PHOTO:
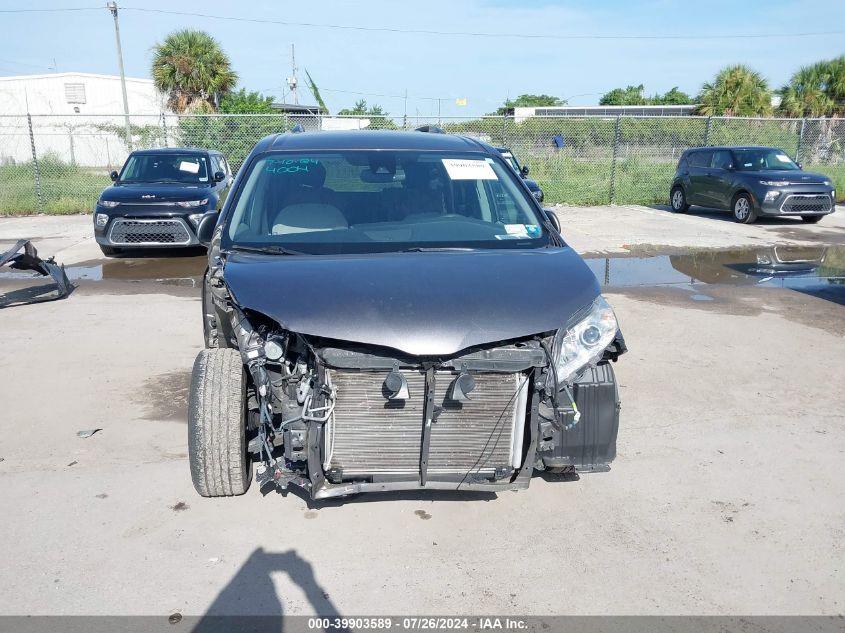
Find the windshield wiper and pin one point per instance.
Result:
(267, 250)
(434, 249)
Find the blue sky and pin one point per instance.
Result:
(484, 70)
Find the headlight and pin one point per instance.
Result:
(195, 218)
(585, 342)
(771, 195)
(774, 183)
(191, 204)
(109, 204)
(826, 183)
(101, 219)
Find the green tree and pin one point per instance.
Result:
(672, 97)
(815, 90)
(243, 102)
(362, 109)
(632, 95)
(379, 119)
(529, 101)
(736, 91)
(192, 70)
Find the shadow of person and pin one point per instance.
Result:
(250, 602)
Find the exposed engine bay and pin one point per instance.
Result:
(337, 418)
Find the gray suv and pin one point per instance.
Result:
(750, 182)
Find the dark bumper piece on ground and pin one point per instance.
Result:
(24, 256)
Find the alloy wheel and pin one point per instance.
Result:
(741, 208)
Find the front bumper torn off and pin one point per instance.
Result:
(24, 256)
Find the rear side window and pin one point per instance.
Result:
(722, 159)
(700, 159)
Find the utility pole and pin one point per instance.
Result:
(292, 82)
(112, 6)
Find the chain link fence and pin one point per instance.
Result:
(60, 163)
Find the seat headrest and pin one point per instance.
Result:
(308, 217)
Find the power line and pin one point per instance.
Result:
(50, 10)
(531, 36)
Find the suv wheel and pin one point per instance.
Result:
(220, 466)
(811, 219)
(678, 200)
(743, 209)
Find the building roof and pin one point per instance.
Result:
(372, 139)
(69, 75)
(295, 108)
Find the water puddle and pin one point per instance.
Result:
(815, 270)
(178, 271)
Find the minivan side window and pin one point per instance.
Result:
(700, 159)
(722, 159)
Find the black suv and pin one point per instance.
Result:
(750, 182)
(158, 198)
(522, 170)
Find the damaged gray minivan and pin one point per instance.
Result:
(395, 311)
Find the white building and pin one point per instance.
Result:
(77, 93)
(76, 117)
(522, 113)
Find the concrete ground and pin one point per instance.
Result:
(726, 496)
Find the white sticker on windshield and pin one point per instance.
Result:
(188, 166)
(783, 158)
(467, 169)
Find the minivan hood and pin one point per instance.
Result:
(789, 174)
(422, 304)
(154, 192)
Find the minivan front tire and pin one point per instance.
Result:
(743, 209)
(220, 466)
(678, 200)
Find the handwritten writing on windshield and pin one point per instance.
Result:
(284, 166)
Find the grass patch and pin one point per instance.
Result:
(65, 188)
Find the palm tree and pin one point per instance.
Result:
(815, 90)
(736, 91)
(192, 70)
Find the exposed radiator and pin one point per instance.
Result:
(370, 435)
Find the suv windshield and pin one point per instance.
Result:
(763, 159)
(187, 168)
(369, 201)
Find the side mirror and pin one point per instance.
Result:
(552, 219)
(113, 175)
(205, 229)
(219, 176)
(524, 170)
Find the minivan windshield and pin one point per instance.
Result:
(165, 167)
(763, 159)
(380, 200)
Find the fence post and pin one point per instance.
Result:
(164, 129)
(707, 131)
(800, 140)
(613, 162)
(37, 172)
